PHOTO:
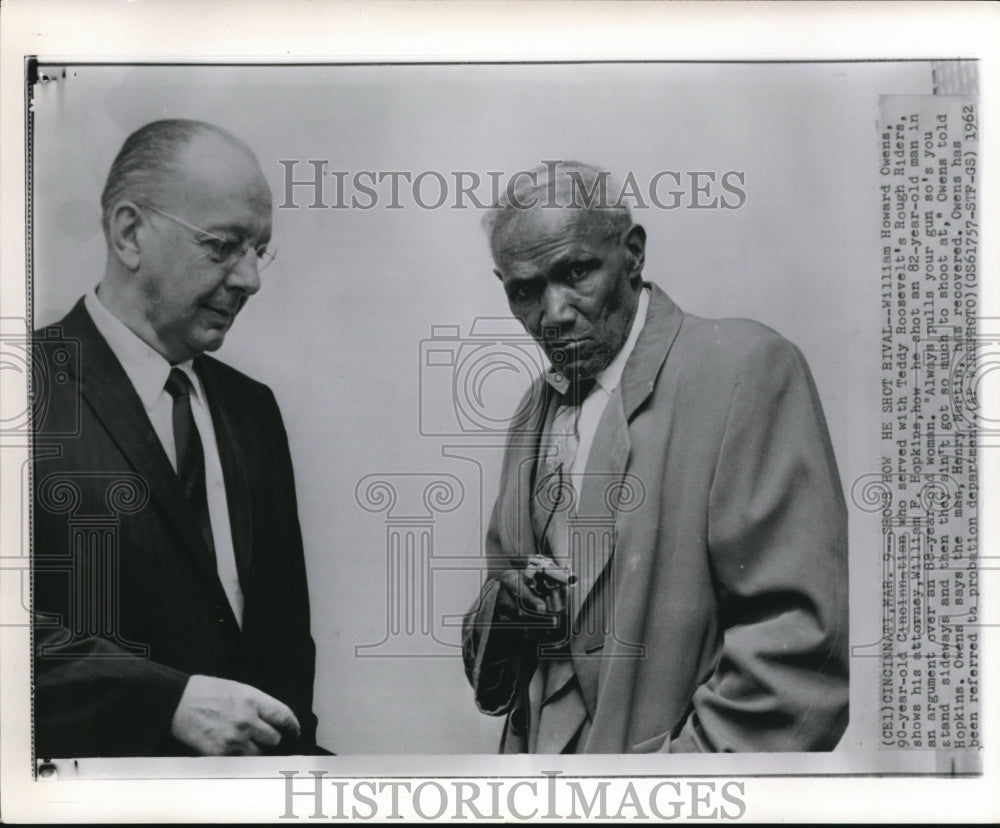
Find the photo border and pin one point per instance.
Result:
(230, 798)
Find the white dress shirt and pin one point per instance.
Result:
(147, 370)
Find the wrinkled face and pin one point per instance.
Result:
(574, 288)
(189, 298)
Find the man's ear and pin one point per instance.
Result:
(123, 233)
(635, 244)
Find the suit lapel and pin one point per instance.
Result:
(234, 470)
(108, 392)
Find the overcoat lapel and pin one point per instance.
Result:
(604, 482)
(592, 526)
(108, 392)
(663, 323)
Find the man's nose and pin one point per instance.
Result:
(245, 274)
(557, 311)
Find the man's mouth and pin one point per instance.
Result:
(225, 314)
(563, 351)
(566, 344)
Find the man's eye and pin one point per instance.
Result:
(576, 272)
(524, 293)
(219, 250)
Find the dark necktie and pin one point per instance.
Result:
(190, 455)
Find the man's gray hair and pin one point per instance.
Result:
(148, 160)
(570, 185)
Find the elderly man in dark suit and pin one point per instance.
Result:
(170, 598)
(667, 562)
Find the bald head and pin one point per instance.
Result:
(152, 157)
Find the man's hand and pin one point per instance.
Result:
(520, 601)
(218, 717)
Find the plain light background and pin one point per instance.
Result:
(337, 328)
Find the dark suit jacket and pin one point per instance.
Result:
(127, 600)
(714, 618)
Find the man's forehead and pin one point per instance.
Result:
(540, 227)
(212, 167)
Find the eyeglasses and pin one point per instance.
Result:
(223, 251)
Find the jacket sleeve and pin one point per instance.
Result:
(496, 651)
(493, 655)
(777, 541)
(98, 700)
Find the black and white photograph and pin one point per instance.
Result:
(567, 435)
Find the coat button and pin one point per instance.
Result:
(518, 721)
